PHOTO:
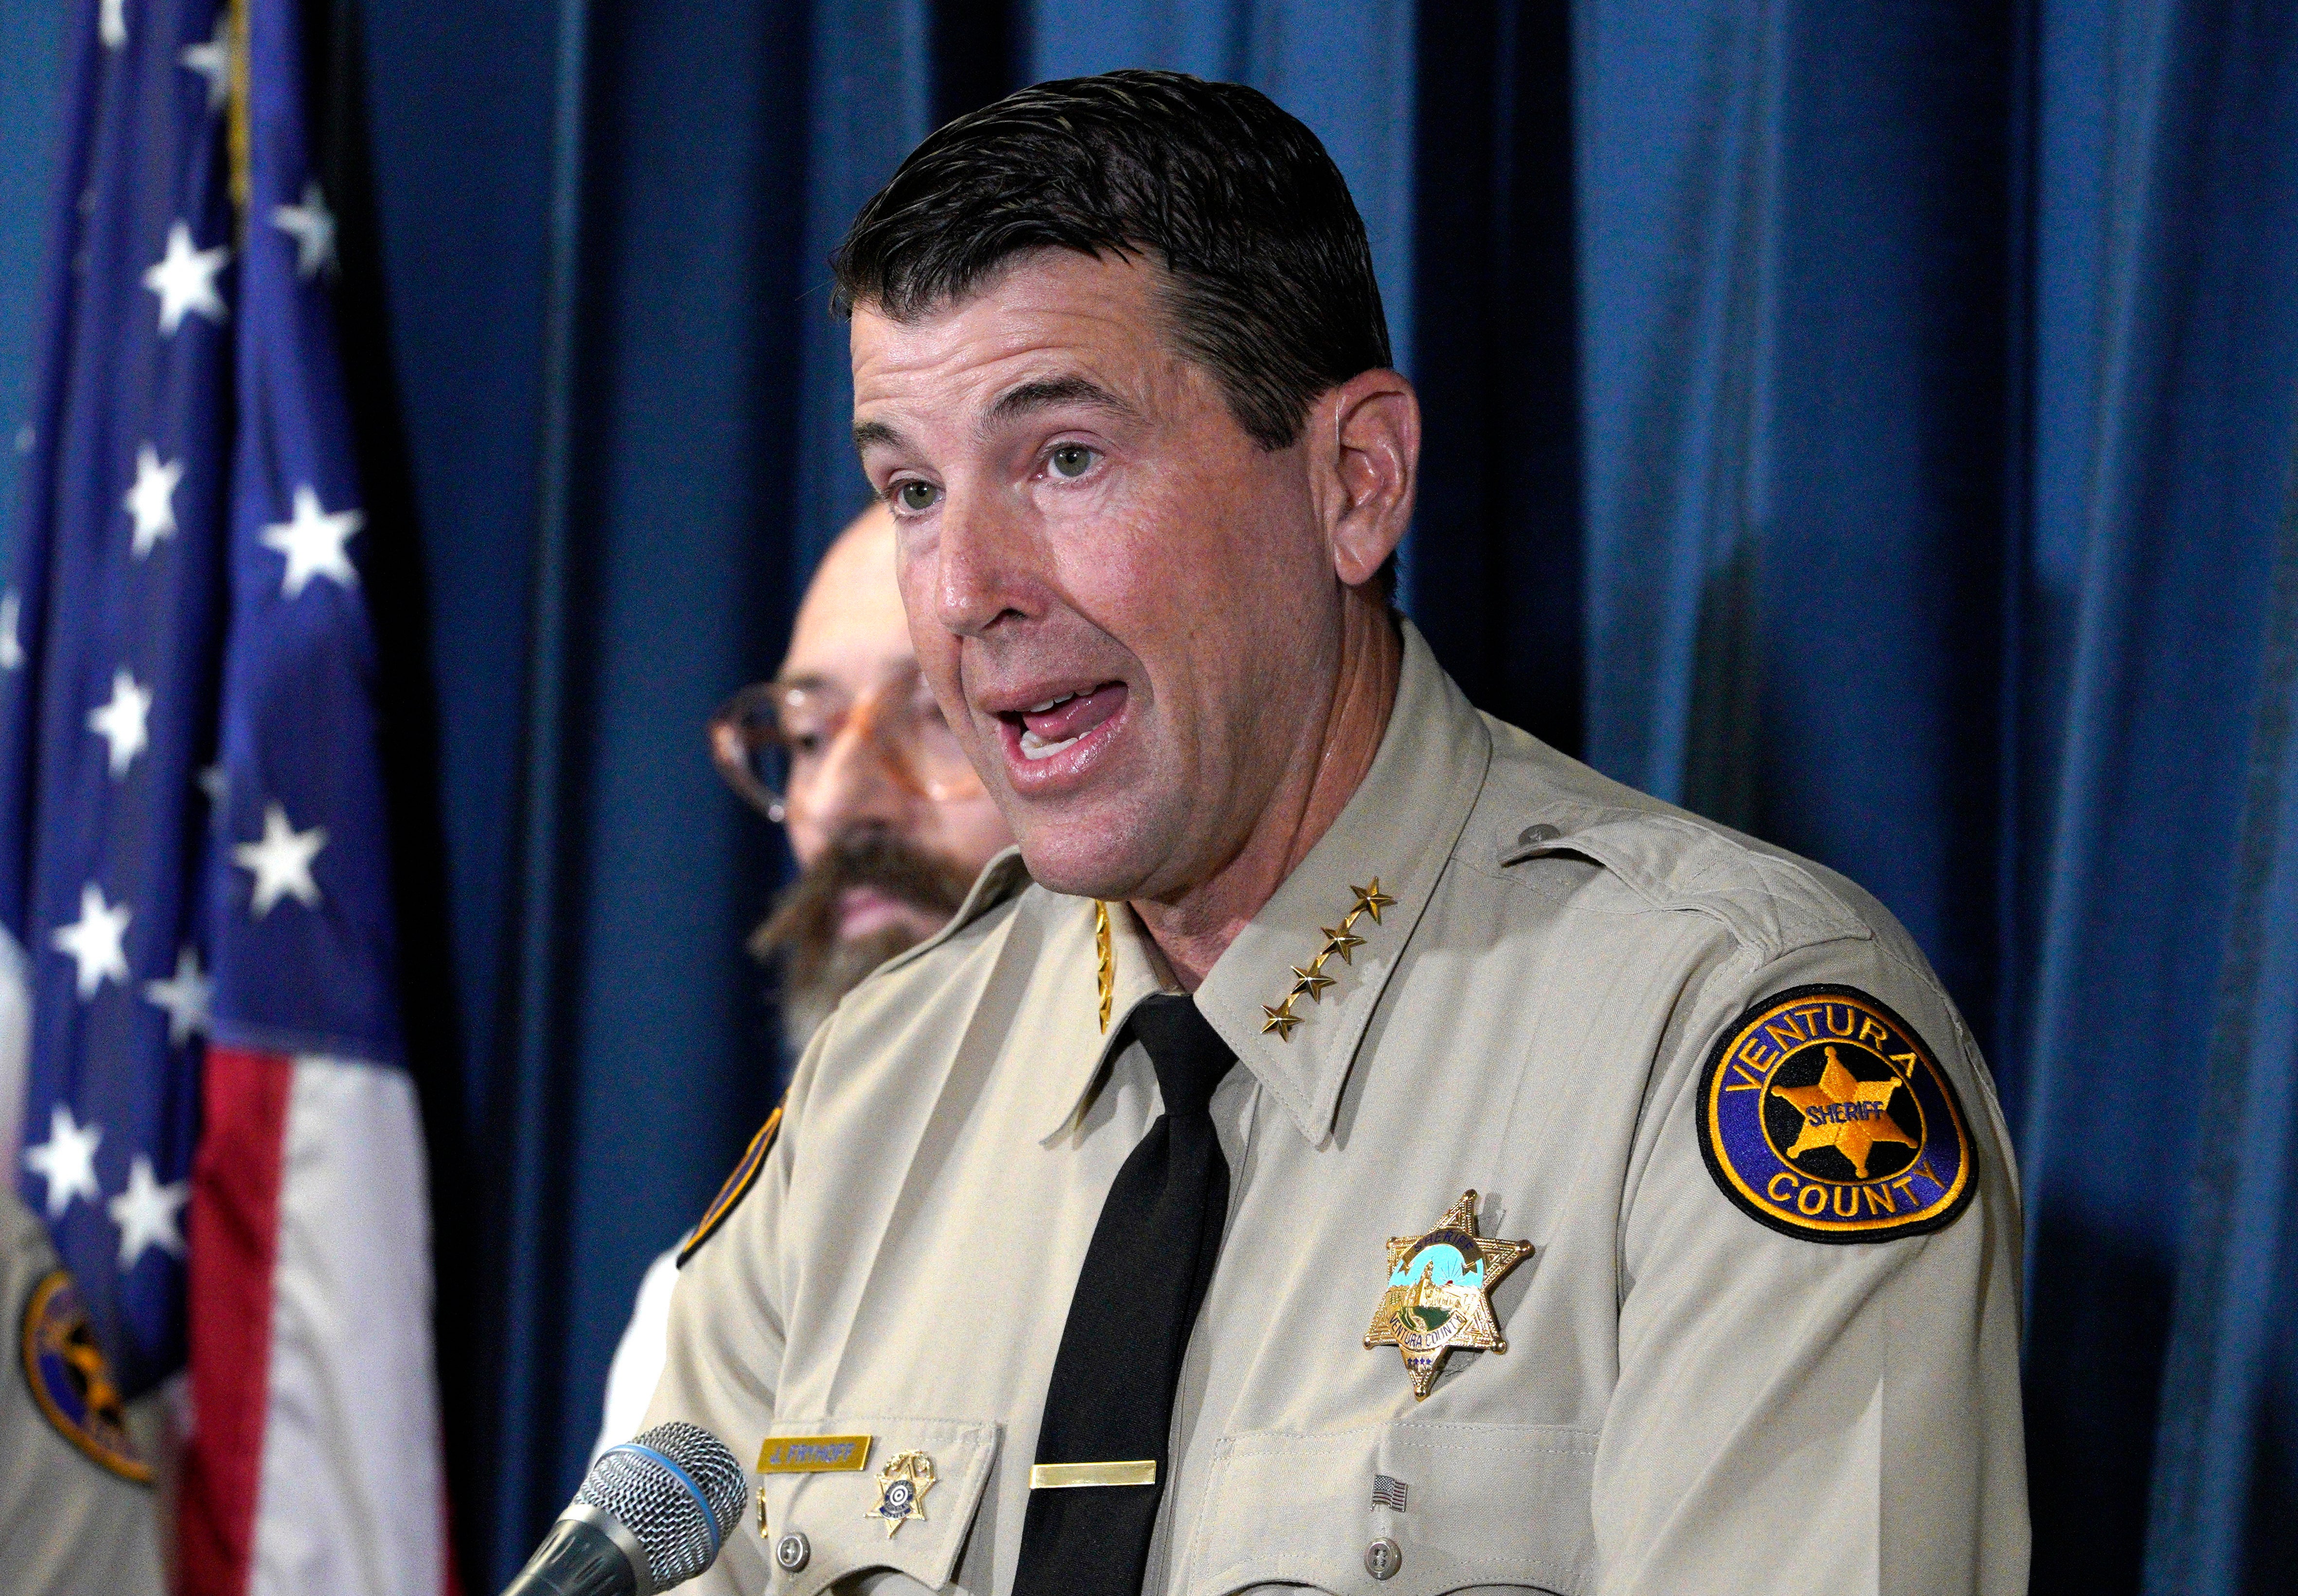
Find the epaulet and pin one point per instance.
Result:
(1003, 878)
(1765, 899)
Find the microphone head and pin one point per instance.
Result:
(677, 1490)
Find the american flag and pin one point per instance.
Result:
(217, 1122)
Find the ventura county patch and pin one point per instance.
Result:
(1824, 1116)
(737, 1187)
(69, 1380)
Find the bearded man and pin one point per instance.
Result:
(847, 750)
(1604, 1201)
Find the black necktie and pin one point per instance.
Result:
(1111, 1398)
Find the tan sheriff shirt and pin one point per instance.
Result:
(1767, 1337)
(76, 1517)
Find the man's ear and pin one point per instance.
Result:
(1364, 459)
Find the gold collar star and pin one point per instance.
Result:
(1105, 956)
(1439, 1296)
(1309, 980)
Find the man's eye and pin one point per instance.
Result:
(1072, 460)
(916, 496)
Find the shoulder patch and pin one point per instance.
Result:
(70, 1385)
(1823, 1115)
(738, 1185)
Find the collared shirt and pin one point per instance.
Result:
(1690, 1397)
(76, 1517)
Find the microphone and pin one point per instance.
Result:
(652, 1513)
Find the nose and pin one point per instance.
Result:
(854, 786)
(981, 557)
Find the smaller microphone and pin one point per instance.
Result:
(652, 1513)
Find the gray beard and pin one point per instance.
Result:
(801, 938)
(806, 1003)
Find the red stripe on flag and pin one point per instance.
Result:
(233, 1242)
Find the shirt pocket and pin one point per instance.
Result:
(836, 1511)
(1486, 1506)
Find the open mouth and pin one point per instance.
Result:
(1060, 724)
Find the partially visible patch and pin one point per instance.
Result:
(70, 1383)
(737, 1187)
(1823, 1115)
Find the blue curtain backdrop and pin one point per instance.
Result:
(1871, 423)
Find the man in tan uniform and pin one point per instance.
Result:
(1348, 1144)
(76, 1498)
(887, 821)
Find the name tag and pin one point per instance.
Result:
(1069, 1476)
(813, 1454)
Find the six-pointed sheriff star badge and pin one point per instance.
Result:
(1845, 1112)
(1439, 1294)
(1439, 1297)
(902, 1486)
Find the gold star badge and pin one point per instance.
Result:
(1439, 1296)
(902, 1486)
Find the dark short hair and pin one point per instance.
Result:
(1272, 287)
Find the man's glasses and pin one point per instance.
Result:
(772, 741)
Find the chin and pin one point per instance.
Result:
(1092, 855)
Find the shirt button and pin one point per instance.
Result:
(792, 1552)
(1383, 1559)
(1540, 834)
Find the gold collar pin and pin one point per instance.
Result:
(1309, 980)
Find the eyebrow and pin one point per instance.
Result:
(866, 433)
(1042, 393)
(1038, 394)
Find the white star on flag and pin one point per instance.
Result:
(152, 502)
(145, 1212)
(212, 62)
(280, 860)
(185, 996)
(124, 722)
(313, 542)
(12, 649)
(312, 225)
(184, 280)
(66, 1161)
(111, 24)
(95, 940)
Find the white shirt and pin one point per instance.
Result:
(638, 1357)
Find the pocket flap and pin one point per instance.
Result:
(1484, 1505)
(856, 1520)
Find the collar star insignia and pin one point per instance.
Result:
(1105, 960)
(1439, 1296)
(1310, 980)
(902, 1486)
(1371, 900)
